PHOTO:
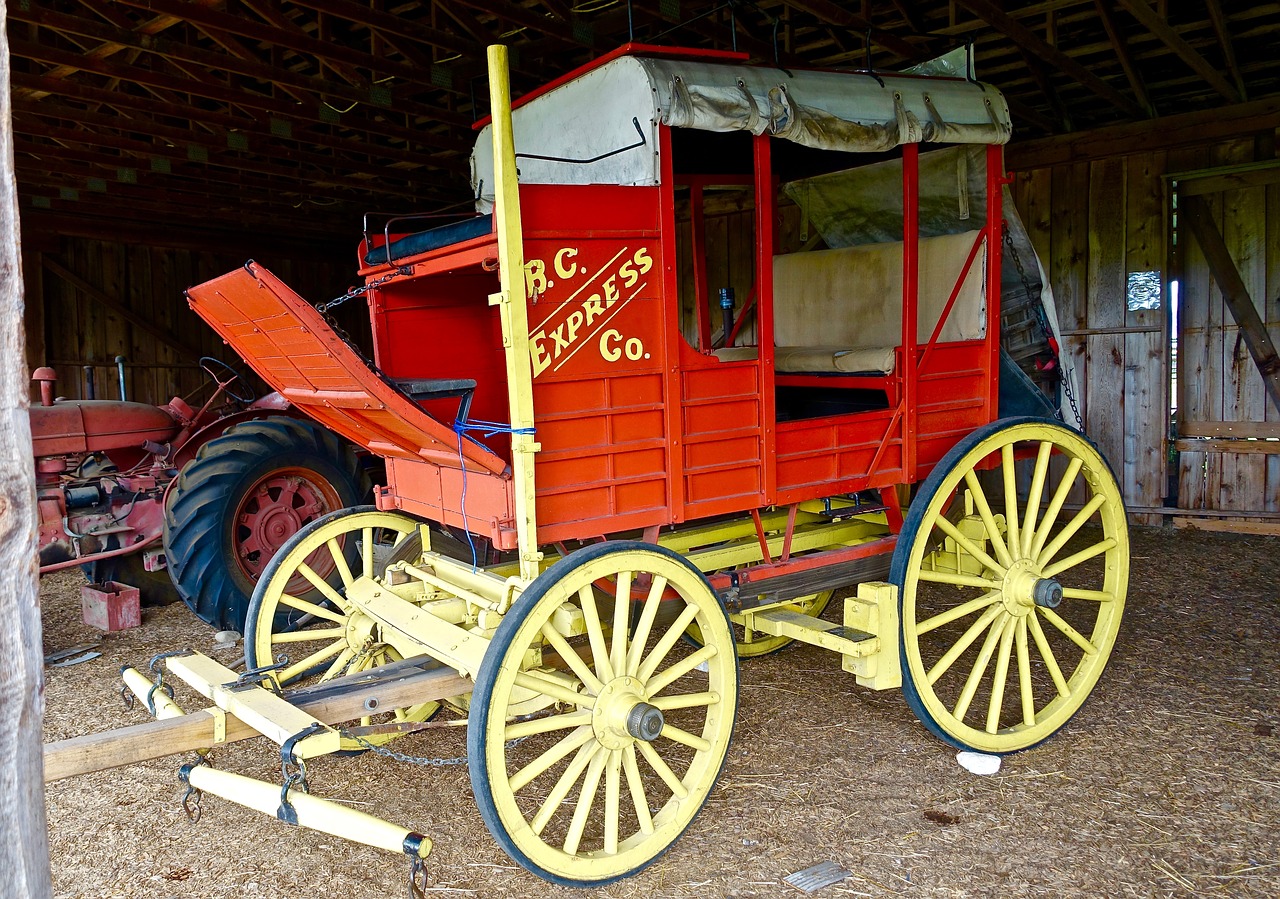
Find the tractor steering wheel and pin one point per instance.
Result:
(212, 366)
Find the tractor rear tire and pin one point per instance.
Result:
(241, 498)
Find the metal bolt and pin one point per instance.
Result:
(1047, 592)
(645, 722)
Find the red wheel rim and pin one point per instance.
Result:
(275, 508)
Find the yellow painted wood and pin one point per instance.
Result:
(784, 622)
(272, 716)
(512, 303)
(875, 611)
(156, 739)
(313, 812)
(140, 686)
(413, 630)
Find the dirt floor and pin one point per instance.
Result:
(1166, 784)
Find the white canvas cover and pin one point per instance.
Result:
(620, 104)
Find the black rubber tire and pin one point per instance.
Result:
(154, 587)
(199, 524)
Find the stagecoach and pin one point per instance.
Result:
(720, 344)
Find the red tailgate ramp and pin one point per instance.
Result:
(290, 345)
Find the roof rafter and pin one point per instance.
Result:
(1159, 26)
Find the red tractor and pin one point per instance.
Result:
(181, 502)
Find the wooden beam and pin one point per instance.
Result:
(1236, 429)
(1235, 293)
(1269, 528)
(1121, 48)
(1158, 26)
(1217, 445)
(24, 850)
(1168, 133)
(170, 736)
(836, 14)
(1212, 181)
(1223, 31)
(114, 305)
(1027, 39)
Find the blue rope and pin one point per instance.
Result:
(488, 429)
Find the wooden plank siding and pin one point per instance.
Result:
(68, 328)
(1094, 223)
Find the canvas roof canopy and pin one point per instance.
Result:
(601, 127)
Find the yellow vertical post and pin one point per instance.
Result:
(511, 301)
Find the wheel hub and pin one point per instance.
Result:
(621, 715)
(1019, 587)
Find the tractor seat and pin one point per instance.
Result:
(431, 239)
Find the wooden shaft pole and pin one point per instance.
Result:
(24, 850)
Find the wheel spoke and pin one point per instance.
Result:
(595, 632)
(685, 701)
(1046, 653)
(542, 764)
(1002, 673)
(518, 729)
(636, 787)
(659, 653)
(1091, 595)
(1010, 474)
(1083, 556)
(339, 664)
(340, 562)
(988, 518)
(621, 623)
(553, 688)
(663, 770)
(328, 633)
(612, 803)
(320, 655)
(684, 738)
(319, 583)
(957, 580)
(1024, 675)
(560, 792)
(667, 676)
(586, 799)
(366, 552)
(979, 669)
(958, 612)
(1077, 522)
(1035, 494)
(975, 630)
(1072, 634)
(1055, 506)
(973, 549)
(312, 609)
(572, 659)
(645, 624)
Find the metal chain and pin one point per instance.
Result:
(413, 759)
(363, 289)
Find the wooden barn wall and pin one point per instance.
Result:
(1093, 224)
(1223, 405)
(88, 301)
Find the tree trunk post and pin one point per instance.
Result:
(24, 843)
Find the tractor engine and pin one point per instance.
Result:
(102, 467)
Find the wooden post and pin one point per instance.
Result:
(24, 850)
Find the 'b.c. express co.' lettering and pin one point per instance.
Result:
(545, 347)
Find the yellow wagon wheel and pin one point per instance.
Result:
(753, 644)
(1012, 584)
(635, 726)
(322, 637)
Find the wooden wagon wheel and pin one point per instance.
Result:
(1010, 607)
(636, 723)
(326, 639)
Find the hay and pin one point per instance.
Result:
(1166, 784)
